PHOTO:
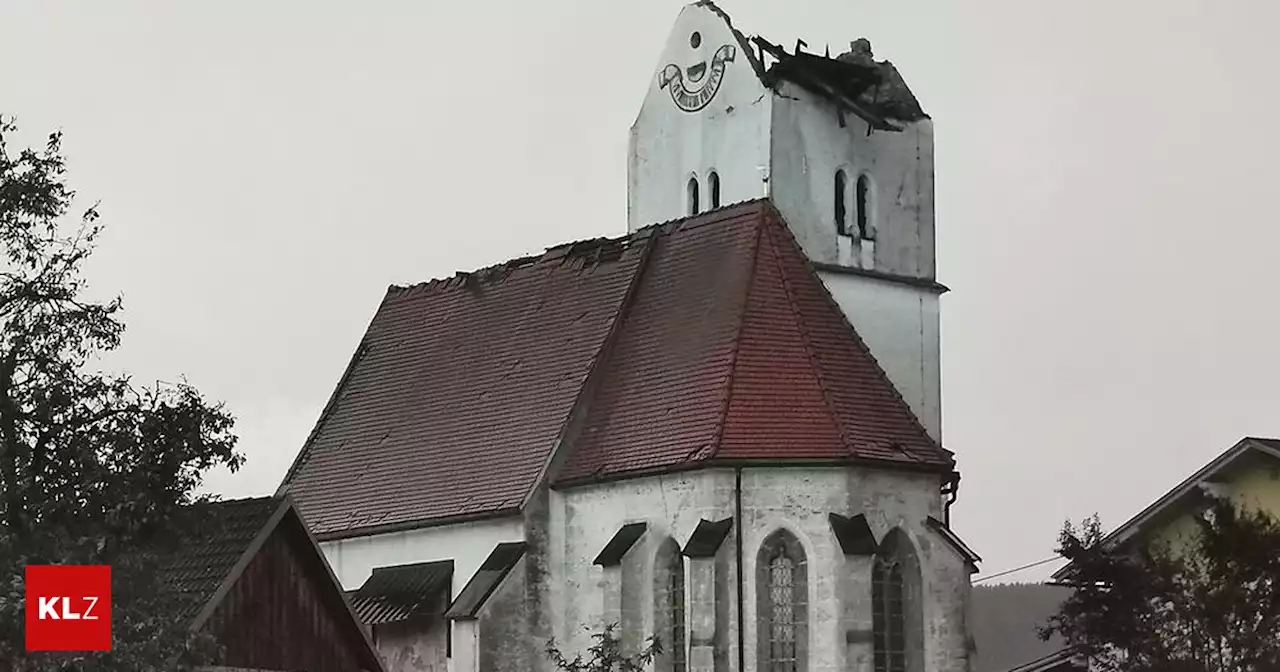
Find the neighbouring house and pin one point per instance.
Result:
(255, 579)
(1248, 474)
(722, 428)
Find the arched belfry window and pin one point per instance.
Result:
(840, 192)
(865, 207)
(897, 619)
(694, 206)
(669, 607)
(713, 185)
(782, 592)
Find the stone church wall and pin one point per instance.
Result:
(796, 499)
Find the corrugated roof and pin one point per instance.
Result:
(402, 592)
(705, 340)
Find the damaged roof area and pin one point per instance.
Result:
(703, 341)
(854, 82)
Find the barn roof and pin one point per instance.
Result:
(709, 340)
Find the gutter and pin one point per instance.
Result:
(737, 545)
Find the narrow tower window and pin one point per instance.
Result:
(866, 228)
(842, 224)
(693, 195)
(713, 183)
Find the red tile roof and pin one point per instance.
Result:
(701, 341)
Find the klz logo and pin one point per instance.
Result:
(68, 608)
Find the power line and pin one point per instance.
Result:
(1017, 569)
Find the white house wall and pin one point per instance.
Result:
(466, 544)
(899, 322)
(730, 135)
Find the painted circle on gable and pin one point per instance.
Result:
(705, 76)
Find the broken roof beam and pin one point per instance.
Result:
(841, 100)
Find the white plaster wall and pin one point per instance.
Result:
(730, 135)
(808, 146)
(467, 544)
(799, 500)
(670, 505)
(900, 324)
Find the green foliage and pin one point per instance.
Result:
(93, 468)
(1210, 605)
(606, 654)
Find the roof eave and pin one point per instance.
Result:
(1134, 525)
(743, 463)
(409, 525)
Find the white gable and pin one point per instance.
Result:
(705, 111)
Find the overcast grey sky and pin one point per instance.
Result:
(266, 169)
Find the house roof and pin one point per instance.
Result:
(401, 592)
(1189, 490)
(204, 559)
(714, 328)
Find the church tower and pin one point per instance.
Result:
(841, 148)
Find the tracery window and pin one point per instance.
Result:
(897, 625)
(782, 598)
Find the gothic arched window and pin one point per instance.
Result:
(866, 222)
(897, 621)
(693, 195)
(782, 591)
(669, 607)
(713, 185)
(841, 203)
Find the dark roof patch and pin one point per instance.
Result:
(854, 534)
(622, 541)
(205, 556)
(486, 580)
(401, 592)
(706, 538)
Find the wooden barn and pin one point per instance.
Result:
(258, 582)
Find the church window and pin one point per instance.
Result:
(713, 185)
(693, 195)
(669, 607)
(866, 225)
(841, 201)
(897, 625)
(782, 599)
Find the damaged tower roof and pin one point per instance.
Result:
(853, 81)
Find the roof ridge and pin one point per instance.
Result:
(853, 331)
(731, 378)
(814, 368)
(586, 391)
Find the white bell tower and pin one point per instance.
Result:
(841, 148)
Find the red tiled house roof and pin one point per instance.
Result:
(704, 341)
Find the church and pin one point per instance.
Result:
(722, 429)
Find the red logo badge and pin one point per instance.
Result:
(68, 607)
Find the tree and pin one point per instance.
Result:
(606, 654)
(1208, 604)
(94, 469)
